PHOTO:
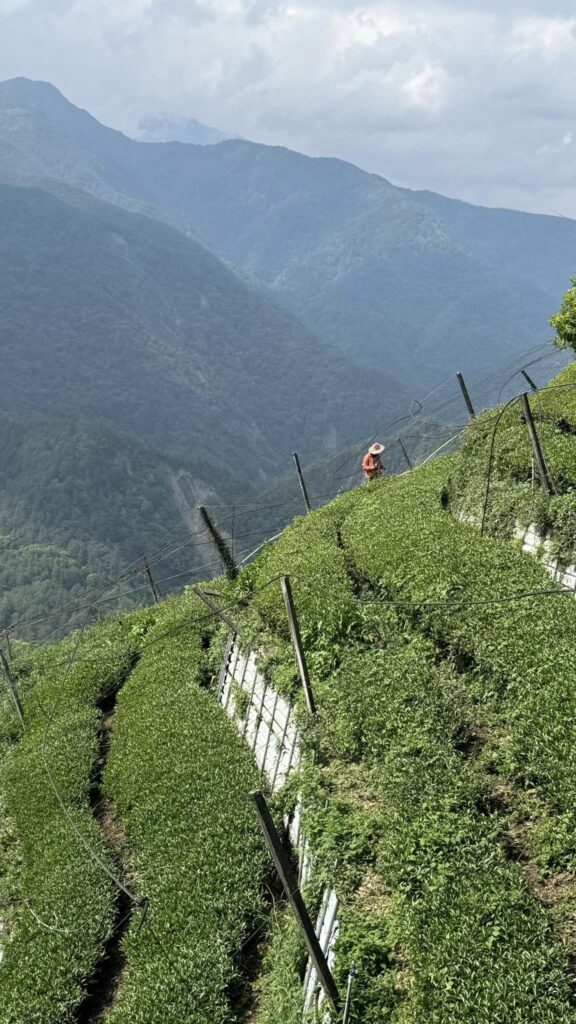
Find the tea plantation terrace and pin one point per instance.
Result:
(438, 779)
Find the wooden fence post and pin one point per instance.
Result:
(294, 895)
(217, 611)
(11, 686)
(464, 390)
(302, 483)
(543, 472)
(155, 592)
(528, 378)
(8, 647)
(297, 644)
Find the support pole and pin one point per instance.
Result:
(217, 611)
(297, 644)
(529, 380)
(405, 453)
(302, 482)
(464, 390)
(294, 895)
(11, 686)
(543, 472)
(348, 1006)
(155, 592)
(8, 646)
(230, 567)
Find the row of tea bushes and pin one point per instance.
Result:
(442, 926)
(522, 653)
(60, 905)
(180, 778)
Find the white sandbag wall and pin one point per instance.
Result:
(266, 721)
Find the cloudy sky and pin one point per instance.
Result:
(473, 99)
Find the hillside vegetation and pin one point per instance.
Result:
(439, 782)
(132, 358)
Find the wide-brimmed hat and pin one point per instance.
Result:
(376, 449)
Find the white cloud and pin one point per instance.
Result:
(470, 98)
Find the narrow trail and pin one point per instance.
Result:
(103, 987)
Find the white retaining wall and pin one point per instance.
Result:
(534, 544)
(266, 721)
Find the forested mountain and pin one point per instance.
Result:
(413, 281)
(116, 316)
(133, 359)
(78, 501)
(176, 313)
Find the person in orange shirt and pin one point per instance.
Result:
(372, 462)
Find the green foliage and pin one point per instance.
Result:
(564, 322)
(179, 775)
(515, 494)
(280, 995)
(399, 806)
(62, 905)
(177, 779)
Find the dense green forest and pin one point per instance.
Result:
(79, 503)
(131, 355)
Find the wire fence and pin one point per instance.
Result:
(431, 425)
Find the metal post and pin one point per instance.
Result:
(464, 390)
(220, 544)
(543, 473)
(302, 482)
(405, 453)
(217, 611)
(528, 378)
(348, 1005)
(155, 592)
(297, 644)
(11, 686)
(290, 885)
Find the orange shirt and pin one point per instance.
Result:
(372, 465)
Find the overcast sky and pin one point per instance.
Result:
(476, 100)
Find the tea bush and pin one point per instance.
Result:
(60, 904)
(180, 776)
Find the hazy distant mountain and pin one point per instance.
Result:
(139, 377)
(168, 128)
(113, 315)
(413, 282)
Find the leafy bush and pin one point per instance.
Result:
(179, 775)
(62, 903)
(399, 811)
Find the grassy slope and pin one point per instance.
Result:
(62, 904)
(513, 496)
(179, 775)
(440, 799)
(447, 742)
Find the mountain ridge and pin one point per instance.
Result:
(412, 280)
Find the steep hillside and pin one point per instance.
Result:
(79, 501)
(495, 480)
(411, 281)
(117, 335)
(438, 785)
(116, 316)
